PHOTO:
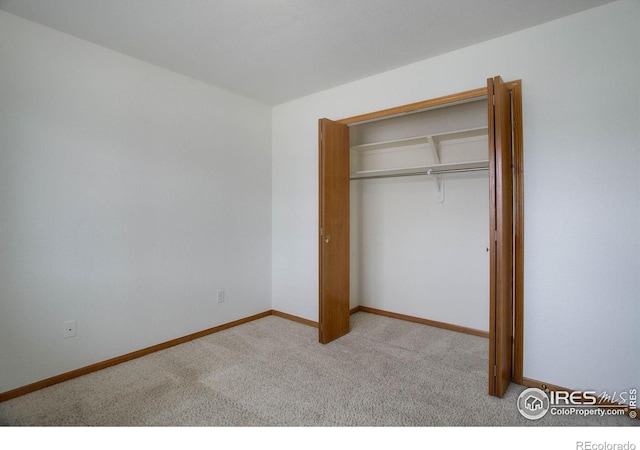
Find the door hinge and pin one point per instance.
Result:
(321, 232)
(322, 135)
(495, 235)
(493, 99)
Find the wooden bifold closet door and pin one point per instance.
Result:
(334, 213)
(501, 246)
(334, 230)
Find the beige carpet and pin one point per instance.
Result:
(273, 372)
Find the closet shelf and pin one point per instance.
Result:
(420, 140)
(434, 169)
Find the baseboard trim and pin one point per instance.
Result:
(431, 323)
(8, 395)
(308, 322)
(530, 382)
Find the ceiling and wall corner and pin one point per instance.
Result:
(276, 51)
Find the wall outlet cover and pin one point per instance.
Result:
(70, 329)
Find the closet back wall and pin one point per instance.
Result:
(412, 252)
(413, 255)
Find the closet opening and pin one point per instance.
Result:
(407, 228)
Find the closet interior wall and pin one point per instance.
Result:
(419, 243)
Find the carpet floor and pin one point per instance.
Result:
(272, 372)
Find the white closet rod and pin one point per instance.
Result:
(426, 172)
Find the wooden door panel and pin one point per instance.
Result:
(501, 229)
(334, 230)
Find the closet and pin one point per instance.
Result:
(419, 208)
(453, 164)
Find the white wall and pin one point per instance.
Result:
(128, 196)
(581, 85)
(413, 255)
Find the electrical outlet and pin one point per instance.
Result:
(221, 296)
(70, 329)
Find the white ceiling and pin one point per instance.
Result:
(278, 50)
